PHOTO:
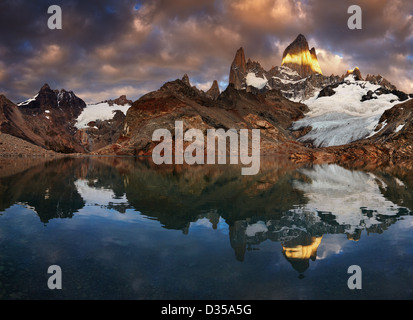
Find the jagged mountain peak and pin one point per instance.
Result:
(295, 81)
(300, 58)
(240, 54)
(381, 81)
(4, 99)
(215, 84)
(49, 99)
(238, 69)
(300, 43)
(214, 91)
(185, 79)
(45, 87)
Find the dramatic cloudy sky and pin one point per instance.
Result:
(112, 47)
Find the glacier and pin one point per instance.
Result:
(343, 118)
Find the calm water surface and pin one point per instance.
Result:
(123, 228)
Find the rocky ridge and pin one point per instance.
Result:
(176, 100)
(288, 78)
(46, 120)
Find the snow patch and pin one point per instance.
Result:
(383, 125)
(399, 128)
(254, 81)
(25, 103)
(101, 111)
(255, 228)
(97, 196)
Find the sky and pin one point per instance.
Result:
(107, 48)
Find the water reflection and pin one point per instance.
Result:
(48, 188)
(285, 203)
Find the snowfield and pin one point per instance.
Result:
(342, 118)
(101, 111)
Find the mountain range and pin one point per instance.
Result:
(302, 113)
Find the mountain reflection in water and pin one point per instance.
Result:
(295, 206)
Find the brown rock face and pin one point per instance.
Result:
(298, 57)
(13, 122)
(395, 131)
(121, 101)
(379, 80)
(213, 92)
(238, 69)
(185, 79)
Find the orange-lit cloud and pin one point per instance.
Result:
(107, 44)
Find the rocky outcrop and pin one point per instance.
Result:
(185, 79)
(121, 101)
(213, 92)
(380, 81)
(238, 70)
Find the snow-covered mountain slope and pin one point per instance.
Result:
(100, 111)
(288, 81)
(348, 113)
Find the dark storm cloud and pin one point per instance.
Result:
(382, 46)
(33, 54)
(109, 47)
